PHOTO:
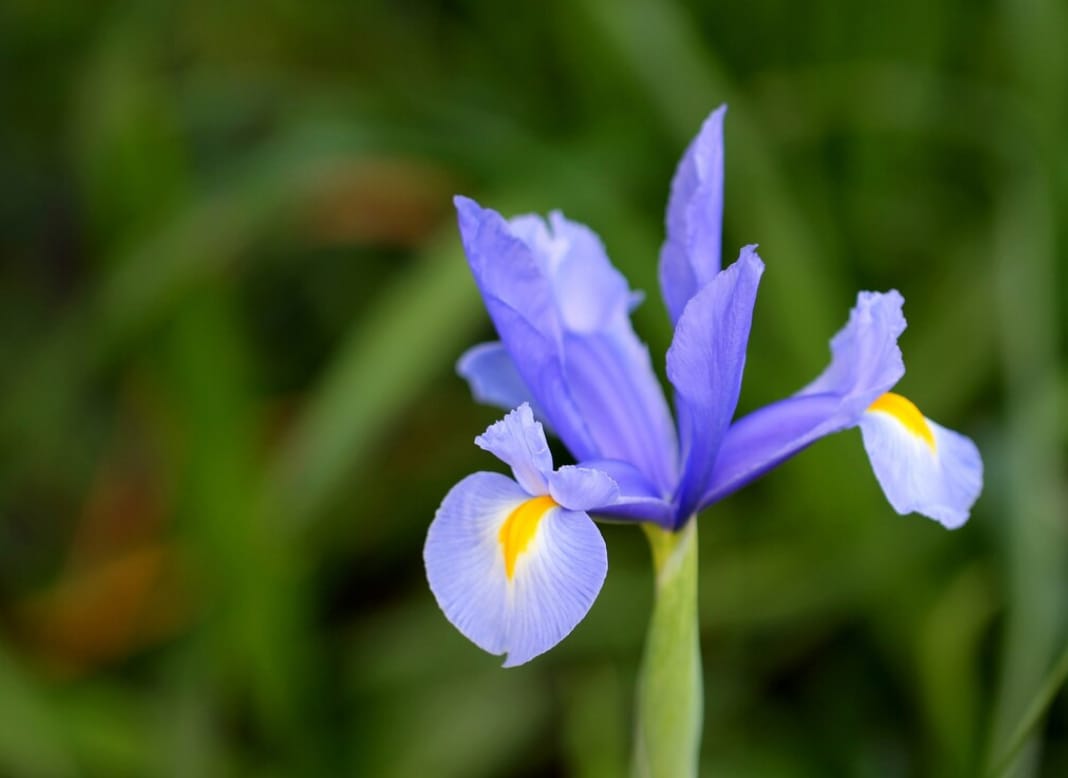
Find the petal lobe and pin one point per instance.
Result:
(940, 476)
(513, 574)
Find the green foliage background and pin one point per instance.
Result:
(232, 294)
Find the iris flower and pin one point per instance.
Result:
(516, 563)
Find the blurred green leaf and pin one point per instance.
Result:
(32, 741)
(413, 330)
(1036, 557)
(949, 649)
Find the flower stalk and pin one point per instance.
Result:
(670, 702)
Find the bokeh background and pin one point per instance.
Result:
(232, 295)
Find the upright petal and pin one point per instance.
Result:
(690, 256)
(705, 364)
(865, 358)
(922, 466)
(519, 441)
(612, 381)
(513, 573)
(591, 295)
(608, 368)
(519, 298)
(866, 362)
(562, 312)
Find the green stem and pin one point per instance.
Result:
(668, 738)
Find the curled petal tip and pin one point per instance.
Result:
(690, 255)
(471, 216)
(462, 202)
(749, 256)
(866, 360)
(519, 441)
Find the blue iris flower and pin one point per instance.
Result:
(516, 564)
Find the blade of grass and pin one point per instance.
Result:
(1035, 544)
(1031, 718)
(256, 620)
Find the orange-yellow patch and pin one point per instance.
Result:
(906, 412)
(519, 529)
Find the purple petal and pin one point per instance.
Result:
(492, 376)
(519, 299)
(922, 466)
(562, 312)
(690, 256)
(464, 565)
(574, 259)
(628, 508)
(519, 441)
(556, 584)
(705, 364)
(637, 498)
(612, 380)
(582, 488)
(527, 608)
(765, 438)
(866, 362)
(865, 358)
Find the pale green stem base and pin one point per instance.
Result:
(670, 700)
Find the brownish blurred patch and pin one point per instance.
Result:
(384, 201)
(122, 586)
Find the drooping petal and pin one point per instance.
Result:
(519, 441)
(463, 558)
(922, 466)
(513, 573)
(866, 362)
(493, 377)
(690, 256)
(562, 312)
(555, 583)
(705, 364)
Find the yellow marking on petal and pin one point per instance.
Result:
(519, 529)
(906, 412)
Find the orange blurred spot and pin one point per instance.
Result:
(393, 201)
